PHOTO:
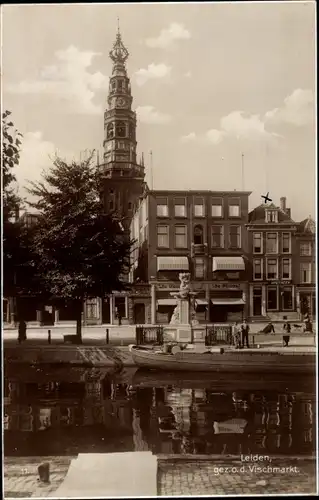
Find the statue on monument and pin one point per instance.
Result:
(184, 288)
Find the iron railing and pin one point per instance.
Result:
(149, 335)
(217, 335)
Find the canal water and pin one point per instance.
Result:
(54, 411)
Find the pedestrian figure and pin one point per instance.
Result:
(22, 331)
(119, 317)
(245, 334)
(287, 330)
(236, 335)
(268, 328)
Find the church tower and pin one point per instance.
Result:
(123, 175)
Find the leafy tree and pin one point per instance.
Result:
(81, 252)
(10, 158)
(15, 237)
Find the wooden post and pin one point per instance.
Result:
(107, 336)
(49, 336)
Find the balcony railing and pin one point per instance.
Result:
(199, 248)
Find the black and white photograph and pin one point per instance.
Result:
(159, 212)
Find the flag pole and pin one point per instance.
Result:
(151, 170)
(242, 172)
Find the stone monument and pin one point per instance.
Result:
(184, 316)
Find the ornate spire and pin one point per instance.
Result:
(119, 52)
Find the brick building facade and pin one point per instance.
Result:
(281, 255)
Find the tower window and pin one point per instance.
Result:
(121, 129)
(110, 130)
(120, 84)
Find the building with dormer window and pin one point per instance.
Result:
(281, 257)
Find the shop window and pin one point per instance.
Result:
(234, 207)
(257, 243)
(180, 236)
(286, 269)
(199, 207)
(258, 269)
(92, 309)
(180, 207)
(199, 268)
(287, 298)
(286, 242)
(272, 299)
(162, 236)
(234, 237)
(272, 273)
(217, 207)
(305, 272)
(271, 243)
(162, 207)
(198, 235)
(305, 248)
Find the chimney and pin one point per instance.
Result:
(283, 203)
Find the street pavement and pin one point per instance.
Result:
(126, 334)
(190, 477)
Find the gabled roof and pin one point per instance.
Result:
(258, 215)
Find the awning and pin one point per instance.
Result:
(166, 302)
(201, 302)
(228, 264)
(228, 302)
(172, 263)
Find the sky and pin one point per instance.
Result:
(224, 92)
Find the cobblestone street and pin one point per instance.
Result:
(178, 477)
(226, 478)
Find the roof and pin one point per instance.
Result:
(258, 215)
(196, 192)
(307, 226)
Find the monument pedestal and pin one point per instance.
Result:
(180, 328)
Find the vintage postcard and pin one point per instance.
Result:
(159, 249)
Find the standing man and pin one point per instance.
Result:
(245, 334)
(236, 335)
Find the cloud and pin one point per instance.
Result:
(153, 72)
(37, 155)
(148, 114)
(168, 36)
(68, 81)
(215, 136)
(243, 126)
(189, 137)
(298, 109)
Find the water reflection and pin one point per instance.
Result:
(78, 412)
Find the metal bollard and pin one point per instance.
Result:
(49, 336)
(107, 336)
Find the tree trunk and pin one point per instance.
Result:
(79, 320)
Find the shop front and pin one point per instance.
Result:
(306, 301)
(274, 299)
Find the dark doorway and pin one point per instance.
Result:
(106, 313)
(139, 314)
(48, 316)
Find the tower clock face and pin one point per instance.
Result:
(121, 102)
